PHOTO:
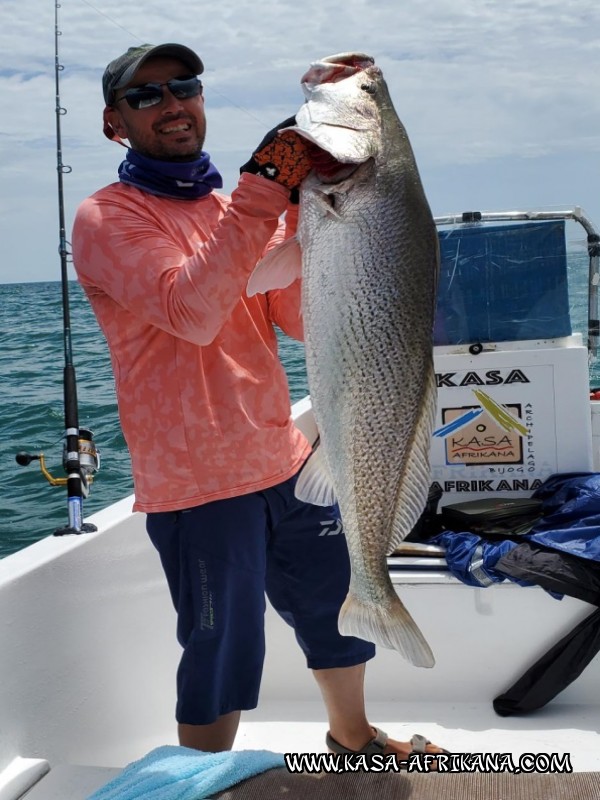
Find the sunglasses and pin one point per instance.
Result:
(151, 94)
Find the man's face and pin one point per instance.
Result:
(172, 130)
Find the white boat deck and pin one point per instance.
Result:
(460, 728)
(89, 658)
(299, 727)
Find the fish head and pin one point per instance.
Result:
(342, 112)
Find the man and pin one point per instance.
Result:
(203, 400)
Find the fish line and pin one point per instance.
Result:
(205, 82)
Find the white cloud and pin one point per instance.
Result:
(500, 99)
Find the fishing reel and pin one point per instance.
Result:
(89, 462)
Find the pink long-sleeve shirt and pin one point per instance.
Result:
(203, 398)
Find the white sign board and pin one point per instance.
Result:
(508, 419)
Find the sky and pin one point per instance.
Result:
(501, 99)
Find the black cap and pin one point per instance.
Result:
(121, 71)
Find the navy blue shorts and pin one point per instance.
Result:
(219, 559)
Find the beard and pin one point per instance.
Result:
(172, 147)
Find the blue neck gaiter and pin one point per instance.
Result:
(183, 180)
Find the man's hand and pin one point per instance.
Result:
(281, 157)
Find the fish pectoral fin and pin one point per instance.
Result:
(279, 268)
(315, 484)
(325, 202)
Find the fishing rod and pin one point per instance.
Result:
(80, 456)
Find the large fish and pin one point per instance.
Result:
(368, 256)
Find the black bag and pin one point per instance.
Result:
(554, 671)
(494, 516)
(554, 571)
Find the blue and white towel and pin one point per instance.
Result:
(179, 773)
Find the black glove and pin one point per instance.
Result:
(281, 157)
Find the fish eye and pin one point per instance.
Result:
(370, 87)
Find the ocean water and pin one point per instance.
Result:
(32, 412)
(31, 401)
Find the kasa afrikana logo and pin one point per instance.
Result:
(484, 434)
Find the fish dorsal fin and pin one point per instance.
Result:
(412, 497)
(315, 484)
(279, 268)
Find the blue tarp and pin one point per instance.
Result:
(471, 559)
(571, 524)
(502, 282)
(571, 521)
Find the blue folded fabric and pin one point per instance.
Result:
(180, 773)
(571, 521)
(472, 559)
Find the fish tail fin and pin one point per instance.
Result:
(388, 625)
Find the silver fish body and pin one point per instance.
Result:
(369, 271)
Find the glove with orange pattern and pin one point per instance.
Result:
(281, 157)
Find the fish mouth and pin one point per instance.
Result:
(355, 61)
(327, 167)
(332, 69)
(336, 173)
